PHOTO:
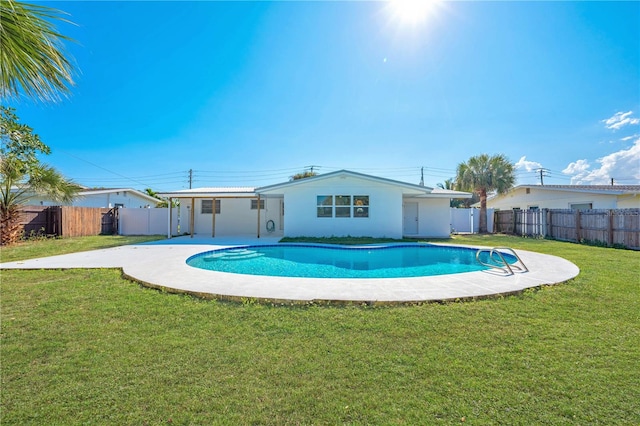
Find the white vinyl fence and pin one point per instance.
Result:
(147, 221)
(155, 221)
(467, 221)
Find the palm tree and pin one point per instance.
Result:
(447, 184)
(32, 57)
(22, 175)
(482, 174)
(450, 185)
(162, 202)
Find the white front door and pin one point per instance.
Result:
(410, 218)
(281, 215)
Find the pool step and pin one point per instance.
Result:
(239, 254)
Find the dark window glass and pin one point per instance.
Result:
(325, 211)
(343, 211)
(254, 204)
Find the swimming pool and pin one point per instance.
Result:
(319, 261)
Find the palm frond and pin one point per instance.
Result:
(32, 57)
(45, 180)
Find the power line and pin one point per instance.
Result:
(104, 168)
(542, 171)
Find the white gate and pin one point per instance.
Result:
(467, 221)
(147, 221)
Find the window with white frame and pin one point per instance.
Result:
(342, 206)
(581, 206)
(207, 207)
(254, 204)
(360, 206)
(325, 205)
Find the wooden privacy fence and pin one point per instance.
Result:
(614, 228)
(65, 221)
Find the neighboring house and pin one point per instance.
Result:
(342, 203)
(580, 197)
(104, 198)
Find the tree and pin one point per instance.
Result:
(482, 174)
(32, 57)
(303, 175)
(22, 175)
(162, 202)
(449, 184)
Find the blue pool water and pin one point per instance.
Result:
(313, 261)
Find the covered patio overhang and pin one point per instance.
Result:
(438, 193)
(213, 194)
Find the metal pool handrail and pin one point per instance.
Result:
(506, 268)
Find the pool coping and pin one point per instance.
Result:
(162, 265)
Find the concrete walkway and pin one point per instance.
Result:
(162, 264)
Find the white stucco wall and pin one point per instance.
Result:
(385, 209)
(554, 199)
(434, 218)
(235, 218)
(108, 200)
(629, 202)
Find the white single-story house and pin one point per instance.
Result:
(577, 197)
(103, 198)
(341, 203)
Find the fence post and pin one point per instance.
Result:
(59, 229)
(495, 222)
(578, 226)
(610, 228)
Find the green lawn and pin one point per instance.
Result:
(54, 246)
(88, 347)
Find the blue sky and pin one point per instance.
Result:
(249, 93)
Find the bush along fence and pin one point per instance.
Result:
(612, 228)
(65, 221)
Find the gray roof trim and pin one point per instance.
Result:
(588, 189)
(211, 192)
(268, 188)
(89, 192)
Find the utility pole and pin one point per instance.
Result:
(611, 181)
(190, 178)
(421, 176)
(542, 172)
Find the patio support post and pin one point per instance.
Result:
(258, 215)
(213, 217)
(193, 215)
(169, 232)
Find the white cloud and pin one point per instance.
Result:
(580, 166)
(628, 138)
(529, 166)
(620, 119)
(623, 165)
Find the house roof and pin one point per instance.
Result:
(606, 189)
(408, 188)
(85, 192)
(100, 191)
(244, 191)
(589, 189)
(592, 189)
(447, 193)
(209, 192)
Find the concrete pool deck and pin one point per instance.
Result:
(162, 264)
